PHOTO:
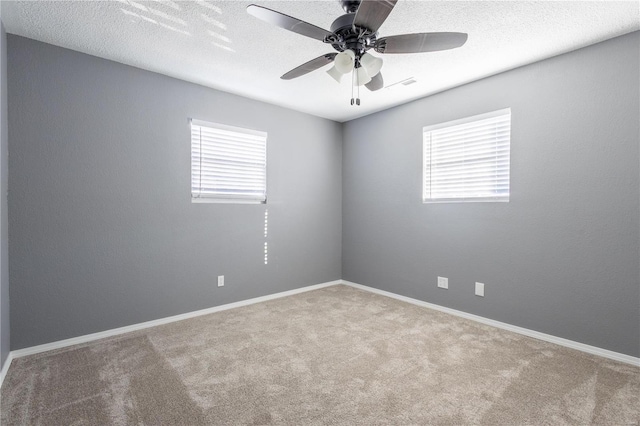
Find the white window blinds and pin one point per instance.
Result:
(467, 159)
(228, 164)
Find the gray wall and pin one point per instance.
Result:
(4, 228)
(562, 257)
(103, 232)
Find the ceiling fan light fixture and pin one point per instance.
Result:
(362, 77)
(344, 61)
(351, 36)
(371, 64)
(335, 74)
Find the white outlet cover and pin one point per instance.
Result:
(220, 280)
(443, 282)
(480, 289)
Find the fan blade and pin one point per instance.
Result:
(287, 22)
(420, 42)
(372, 13)
(307, 67)
(376, 83)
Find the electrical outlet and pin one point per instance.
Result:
(480, 289)
(443, 282)
(220, 280)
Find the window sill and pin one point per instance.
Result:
(225, 201)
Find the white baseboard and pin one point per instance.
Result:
(628, 359)
(5, 368)
(121, 330)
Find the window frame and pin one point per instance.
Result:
(221, 198)
(453, 123)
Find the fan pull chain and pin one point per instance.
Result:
(354, 76)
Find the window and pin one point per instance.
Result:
(467, 159)
(228, 164)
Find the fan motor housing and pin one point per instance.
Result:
(349, 37)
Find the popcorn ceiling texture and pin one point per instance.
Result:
(331, 356)
(217, 44)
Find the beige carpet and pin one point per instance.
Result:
(332, 356)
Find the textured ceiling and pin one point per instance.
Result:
(217, 44)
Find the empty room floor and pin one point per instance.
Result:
(337, 355)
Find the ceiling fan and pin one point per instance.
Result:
(352, 35)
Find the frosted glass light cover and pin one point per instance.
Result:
(371, 64)
(335, 74)
(344, 61)
(362, 77)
